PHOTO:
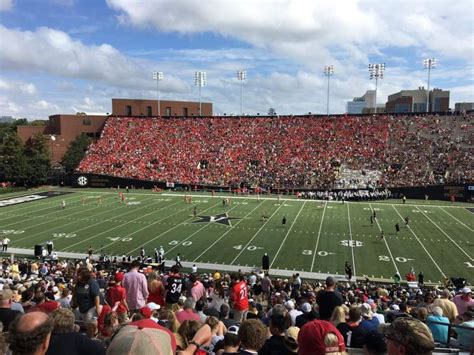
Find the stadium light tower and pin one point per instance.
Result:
(158, 76)
(200, 80)
(376, 71)
(242, 76)
(429, 64)
(328, 71)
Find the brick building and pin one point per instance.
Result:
(134, 107)
(407, 101)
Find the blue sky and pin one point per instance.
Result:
(64, 56)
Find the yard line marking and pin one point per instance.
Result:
(55, 206)
(193, 234)
(123, 224)
(58, 218)
(419, 241)
(350, 235)
(442, 231)
(319, 234)
(386, 243)
(465, 225)
(223, 235)
(308, 200)
(172, 228)
(27, 205)
(287, 233)
(119, 225)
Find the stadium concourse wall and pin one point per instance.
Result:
(458, 192)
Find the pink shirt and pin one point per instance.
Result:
(187, 314)
(137, 289)
(461, 304)
(198, 290)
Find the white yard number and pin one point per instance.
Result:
(10, 231)
(351, 243)
(176, 242)
(249, 248)
(320, 253)
(125, 239)
(468, 264)
(400, 259)
(64, 235)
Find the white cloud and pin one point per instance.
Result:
(305, 28)
(58, 54)
(6, 5)
(17, 87)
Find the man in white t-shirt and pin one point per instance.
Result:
(5, 242)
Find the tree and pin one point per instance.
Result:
(75, 153)
(38, 159)
(13, 164)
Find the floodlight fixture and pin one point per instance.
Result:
(158, 76)
(328, 71)
(429, 64)
(242, 76)
(376, 71)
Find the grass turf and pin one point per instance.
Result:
(317, 236)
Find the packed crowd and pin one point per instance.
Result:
(284, 152)
(68, 307)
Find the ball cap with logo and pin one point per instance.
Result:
(142, 338)
(311, 338)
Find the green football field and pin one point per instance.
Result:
(317, 237)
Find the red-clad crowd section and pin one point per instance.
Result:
(284, 151)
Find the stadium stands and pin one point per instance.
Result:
(286, 152)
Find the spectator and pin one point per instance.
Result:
(174, 287)
(309, 314)
(186, 332)
(369, 322)
(87, 295)
(320, 337)
(351, 330)
(30, 333)
(224, 311)
(276, 344)
(7, 315)
(64, 340)
(44, 305)
(465, 340)
(463, 300)
(142, 338)
(374, 343)
(339, 315)
(136, 286)
(156, 289)
(328, 299)
(231, 341)
(117, 297)
(252, 335)
(290, 306)
(197, 289)
(439, 331)
(188, 313)
(449, 308)
(239, 297)
(409, 336)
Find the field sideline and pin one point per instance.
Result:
(317, 237)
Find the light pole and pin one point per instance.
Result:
(241, 75)
(200, 81)
(158, 76)
(52, 139)
(328, 71)
(376, 71)
(429, 64)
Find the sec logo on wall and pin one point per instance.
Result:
(82, 181)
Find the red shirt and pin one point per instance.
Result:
(117, 293)
(46, 307)
(240, 297)
(187, 314)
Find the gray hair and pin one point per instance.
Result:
(190, 303)
(437, 311)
